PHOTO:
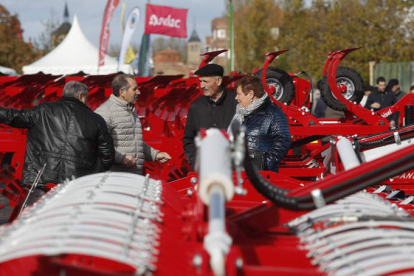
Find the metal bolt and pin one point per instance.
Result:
(239, 263)
(197, 260)
(193, 180)
(240, 191)
(189, 192)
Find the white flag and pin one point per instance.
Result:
(132, 21)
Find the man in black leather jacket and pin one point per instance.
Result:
(65, 135)
(214, 109)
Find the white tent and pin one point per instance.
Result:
(75, 53)
(8, 71)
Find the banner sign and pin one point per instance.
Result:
(131, 22)
(166, 21)
(103, 41)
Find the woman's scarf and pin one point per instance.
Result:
(242, 112)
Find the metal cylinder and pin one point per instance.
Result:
(347, 153)
(217, 242)
(215, 165)
(215, 187)
(216, 212)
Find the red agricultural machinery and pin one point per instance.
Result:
(340, 208)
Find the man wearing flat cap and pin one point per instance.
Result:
(215, 109)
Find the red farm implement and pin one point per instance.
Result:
(340, 208)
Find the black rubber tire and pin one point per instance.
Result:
(355, 88)
(285, 89)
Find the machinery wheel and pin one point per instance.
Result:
(353, 82)
(283, 83)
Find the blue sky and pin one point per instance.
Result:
(90, 12)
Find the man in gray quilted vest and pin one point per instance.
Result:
(125, 127)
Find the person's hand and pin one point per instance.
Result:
(129, 161)
(162, 157)
(376, 105)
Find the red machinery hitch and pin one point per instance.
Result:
(209, 56)
(300, 117)
(331, 66)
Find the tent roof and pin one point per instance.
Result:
(75, 53)
(8, 71)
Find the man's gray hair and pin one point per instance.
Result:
(121, 82)
(75, 89)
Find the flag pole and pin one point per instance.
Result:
(143, 52)
(143, 55)
(231, 37)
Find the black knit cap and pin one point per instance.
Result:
(210, 70)
(393, 82)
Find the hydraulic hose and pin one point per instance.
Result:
(268, 190)
(389, 139)
(372, 144)
(306, 140)
(359, 187)
(382, 142)
(331, 193)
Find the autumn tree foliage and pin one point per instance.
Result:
(384, 29)
(380, 27)
(14, 52)
(255, 23)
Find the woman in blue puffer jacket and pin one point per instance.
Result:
(267, 129)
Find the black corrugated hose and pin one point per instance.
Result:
(278, 195)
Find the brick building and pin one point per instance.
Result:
(219, 39)
(168, 62)
(194, 50)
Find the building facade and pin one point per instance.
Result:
(194, 50)
(168, 62)
(219, 40)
